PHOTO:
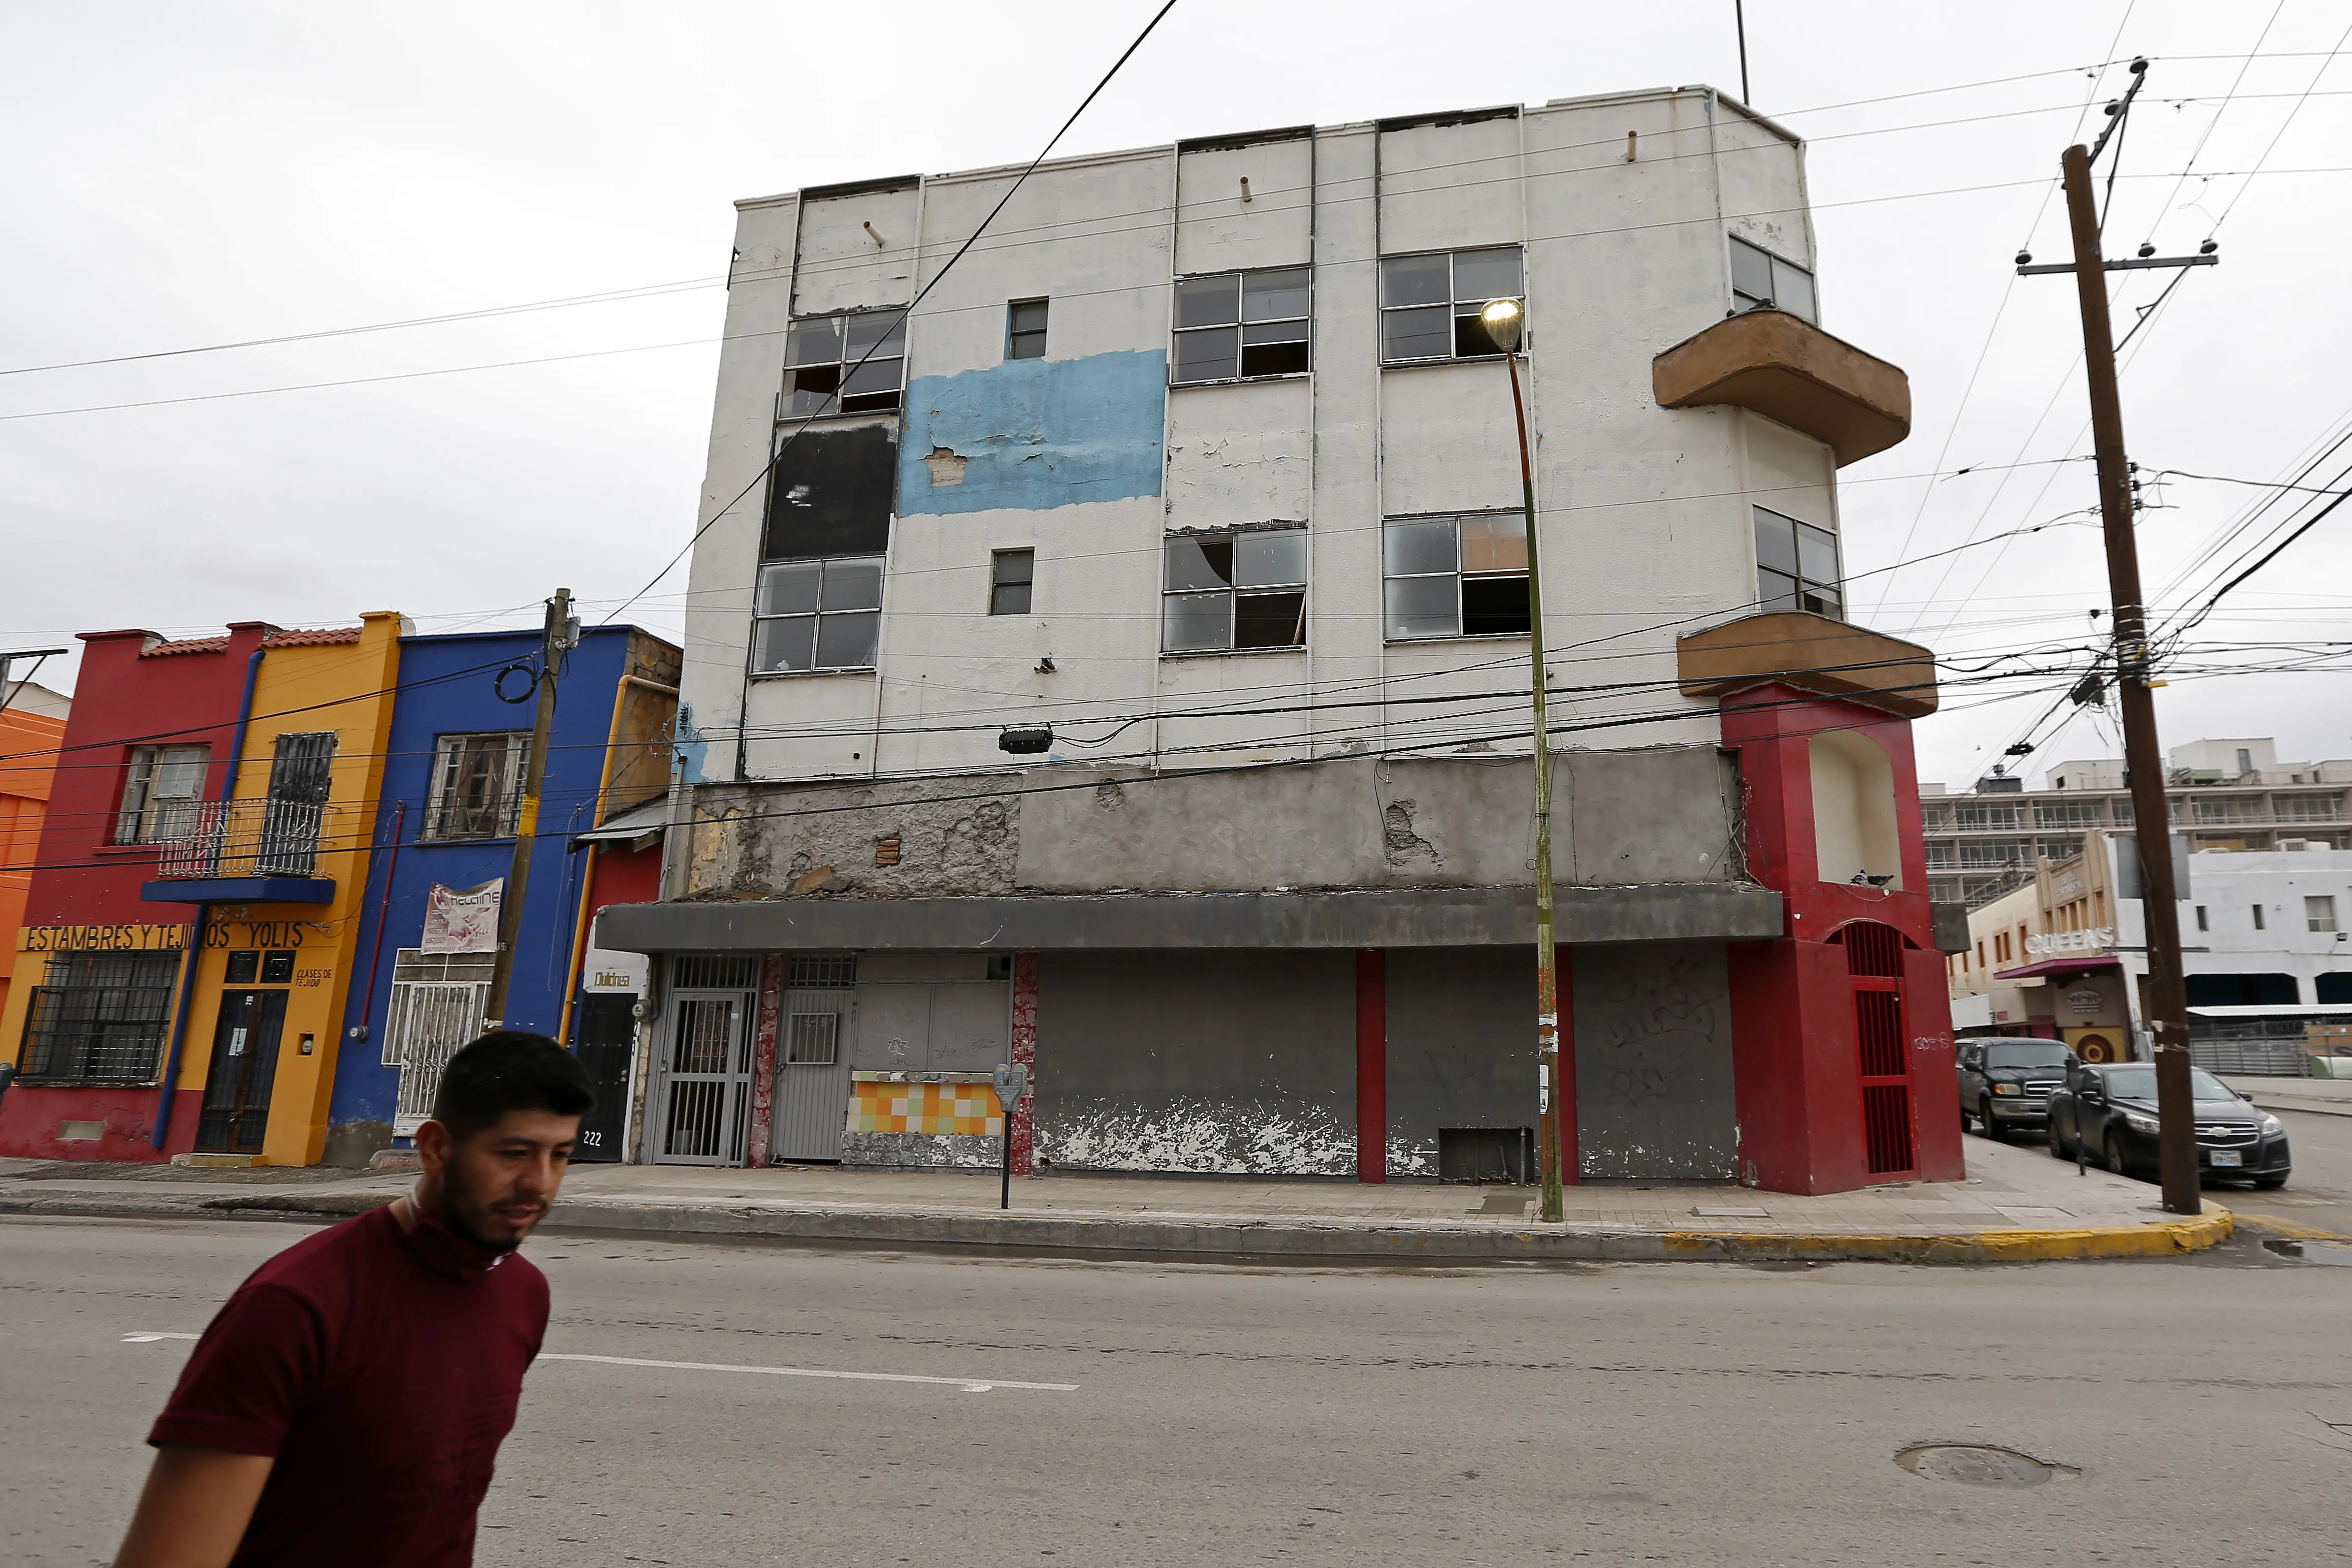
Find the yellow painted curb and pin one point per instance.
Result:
(2295, 1229)
(2166, 1239)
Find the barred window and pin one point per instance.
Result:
(477, 785)
(100, 1018)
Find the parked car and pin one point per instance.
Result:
(2007, 1083)
(2109, 1113)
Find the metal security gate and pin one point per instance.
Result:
(704, 1112)
(812, 1101)
(1874, 962)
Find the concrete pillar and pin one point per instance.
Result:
(1022, 1122)
(763, 1059)
(1371, 1065)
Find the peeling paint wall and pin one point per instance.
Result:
(1644, 511)
(1462, 1046)
(1233, 1062)
(1035, 435)
(1620, 818)
(1653, 1074)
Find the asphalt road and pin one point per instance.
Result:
(2320, 1192)
(1703, 1414)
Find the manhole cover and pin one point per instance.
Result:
(1979, 1465)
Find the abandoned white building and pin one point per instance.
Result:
(1119, 662)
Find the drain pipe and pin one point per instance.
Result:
(170, 1085)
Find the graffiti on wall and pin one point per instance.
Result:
(1653, 1064)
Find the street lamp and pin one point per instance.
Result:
(1505, 322)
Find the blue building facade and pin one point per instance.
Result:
(447, 820)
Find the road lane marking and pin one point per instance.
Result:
(969, 1385)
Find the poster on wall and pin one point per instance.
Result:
(462, 919)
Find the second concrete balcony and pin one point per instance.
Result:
(1786, 369)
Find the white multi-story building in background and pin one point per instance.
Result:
(2225, 795)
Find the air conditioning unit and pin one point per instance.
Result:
(2295, 843)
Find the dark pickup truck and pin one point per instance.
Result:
(2007, 1083)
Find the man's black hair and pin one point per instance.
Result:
(509, 1069)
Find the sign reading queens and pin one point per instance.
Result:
(462, 919)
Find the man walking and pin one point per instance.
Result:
(346, 1406)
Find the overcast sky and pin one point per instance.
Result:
(186, 174)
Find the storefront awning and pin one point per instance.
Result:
(637, 827)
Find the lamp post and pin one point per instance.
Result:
(1505, 323)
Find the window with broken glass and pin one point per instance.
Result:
(476, 785)
(161, 794)
(818, 615)
(849, 362)
(1429, 304)
(1223, 591)
(1762, 281)
(1454, 577)
(1236, 325)
(1796, 567)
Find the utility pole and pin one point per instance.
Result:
(2168, 1005)
(557, 636)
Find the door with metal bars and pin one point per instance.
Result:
(702, 1116)
(1874, 964)
(812, 1075)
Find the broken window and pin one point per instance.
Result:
(1011, 575)
(1223, 591)
(1239, 324)
(161, 794)
(476, 785)
(818, 615)
(1762, 281)
(1024, 329)
(831, 490)
(1454, 577)
(851, 362)
(1796, 567)
(1430, 305)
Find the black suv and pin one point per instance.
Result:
(2109, 1113)
(2007, 1083)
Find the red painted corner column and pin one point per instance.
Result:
(763, 1059)
(1371, 1065)
(1022, 1126)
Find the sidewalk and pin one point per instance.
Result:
(2320, 1096)
(2018, 1205)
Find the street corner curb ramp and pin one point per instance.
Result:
(1300, 1240)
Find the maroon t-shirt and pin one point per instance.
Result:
(380, 1368)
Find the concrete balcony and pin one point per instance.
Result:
(1812, 654)
(246, 851)
(1786, 369)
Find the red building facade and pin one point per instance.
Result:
(151, 736)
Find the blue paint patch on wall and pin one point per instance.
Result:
(1036, 434)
